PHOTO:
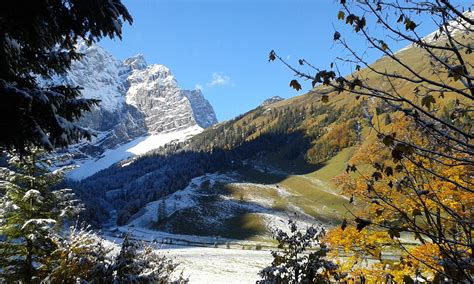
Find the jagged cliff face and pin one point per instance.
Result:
(136, 100)
(203, 112)
(155, 92)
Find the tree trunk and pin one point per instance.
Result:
(28, 276)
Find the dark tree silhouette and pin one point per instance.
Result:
(37, 43)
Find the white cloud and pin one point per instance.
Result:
(198, 87)
(219, 79)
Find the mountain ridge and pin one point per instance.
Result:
(137, 101)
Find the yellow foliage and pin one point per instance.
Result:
(417, 204)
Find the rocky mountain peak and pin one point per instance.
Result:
(97, 73)
(203, 112)
(136, 100)
(136, 62)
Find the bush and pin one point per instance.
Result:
(83, 257)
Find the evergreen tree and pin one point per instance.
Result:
(293, 263)
(125, 265)
(37, 43)
(158, 213)
(31, 214)
(161, 211)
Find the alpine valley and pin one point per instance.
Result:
(346, 154)
(161, 163)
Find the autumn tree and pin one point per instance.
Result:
(418, 190)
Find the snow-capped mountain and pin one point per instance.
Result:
(138, 101)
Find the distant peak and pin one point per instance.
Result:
(136, 62)
(272, 100)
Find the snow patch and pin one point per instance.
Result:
(206, 264)
(176, 201)
(454, 27)
(138, 146)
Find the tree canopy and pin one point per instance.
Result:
(37, 45)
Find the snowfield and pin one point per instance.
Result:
(136, 147)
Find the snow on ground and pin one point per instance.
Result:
(209, 264)
(220, 265)
(176, 201)
(455, 27)
(138, 146)
(200, 261)
(154, 141)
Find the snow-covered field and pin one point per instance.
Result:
(220, 265)
(212, 265)
(136, 147)
(213, 259)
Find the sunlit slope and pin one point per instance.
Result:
(327, 128)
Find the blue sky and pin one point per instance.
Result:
(222, 46)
